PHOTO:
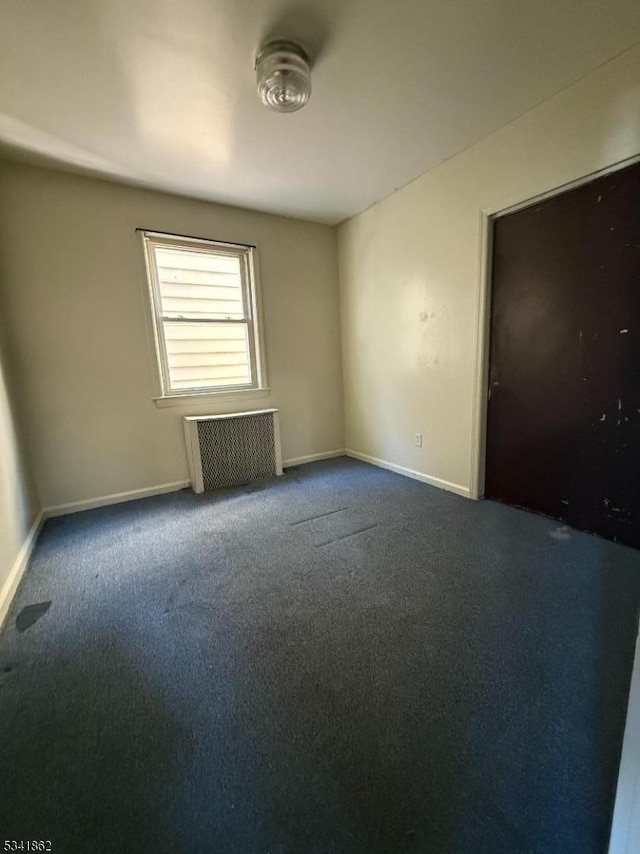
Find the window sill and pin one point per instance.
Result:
(174, 400)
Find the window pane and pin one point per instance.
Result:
(199, 285)
(207, 354)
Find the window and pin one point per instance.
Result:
(204, 302)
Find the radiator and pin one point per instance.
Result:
(229, 450)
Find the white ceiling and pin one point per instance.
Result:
(161, 92)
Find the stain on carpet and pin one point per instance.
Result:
(30, 615)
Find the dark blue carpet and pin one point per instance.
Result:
(340, 661)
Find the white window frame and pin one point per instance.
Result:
(246, 254)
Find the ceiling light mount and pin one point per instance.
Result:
(283, 76)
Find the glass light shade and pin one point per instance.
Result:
(283, 76)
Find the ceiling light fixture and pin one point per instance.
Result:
(283, 76)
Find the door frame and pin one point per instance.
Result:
(486, 219)
(625, 829)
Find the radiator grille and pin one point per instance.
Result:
(237, 450)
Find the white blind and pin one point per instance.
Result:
(198, 291)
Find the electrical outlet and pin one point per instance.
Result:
(418, 440)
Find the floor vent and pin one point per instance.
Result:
(229, 450)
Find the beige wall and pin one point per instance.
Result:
(19, 505)
(410, 285)
(410, 271)
(74, 289)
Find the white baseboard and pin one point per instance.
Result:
(311, 458)
(415, 475)
(17, 570)
(116, 498)
(625, 830)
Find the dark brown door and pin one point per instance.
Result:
(563, 432)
